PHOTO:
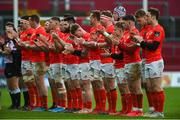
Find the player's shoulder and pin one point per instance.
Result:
(158, 29)
(30, 30)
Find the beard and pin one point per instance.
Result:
(66, 30)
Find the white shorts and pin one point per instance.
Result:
(56, 71)
(48, 72)
(95, 69)
(63, 71)
(84, 71)
(107, 70)
(25, 66)
(154, 69)
(39, 68)
(143, 79)
(71, 72)
(120, 77)
(133, 71)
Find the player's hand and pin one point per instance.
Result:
(101, 31)
(7, 50)
(68, 49)
(137, 39)
(51, 46)
(15, 34)
(105, 55)
(9, 34)
(79, 40)
(42, 37)
(1, 40)
(54, 35)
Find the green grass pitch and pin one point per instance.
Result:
(172, 109)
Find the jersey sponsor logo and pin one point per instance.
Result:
(156, 33)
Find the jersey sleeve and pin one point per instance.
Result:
(158, 35)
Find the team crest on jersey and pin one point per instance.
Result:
(156, 33)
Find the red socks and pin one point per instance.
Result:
(44, 102)
(139, 100)
(149, 97)
(32, 96)
(69, 100)
(158, 101)
(109, 101)
(134, 99)
(129, 102)
(123, 103)
(62, 103)
(96, 98)
(113, 100)
(38, 99)
(88, 105)
(80, 98)
(102, 99)
(126, 101)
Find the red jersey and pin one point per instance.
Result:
(143, 32)
(55, 57)
(104, 50)
(95, 28)
(38, 55)
(155, 34)
(110, 49)
(118, 63)
(132, 54)
(94, 54)
(69, 58)
(47, 58)
(110, 29)
(25, 36)
(84, 59)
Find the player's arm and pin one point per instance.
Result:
(128, 47)
(90, 44)
(102, 45)
(6, 51)
(117, 56)
(44, 40)
(40, 46)
(109, 38)
(80, 53)
(58, 39)
(151, 45)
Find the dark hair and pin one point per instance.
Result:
(69, 18)
(35, 18)
(129, 17)
(10, 24)
(154, 12)
(55, 18)
(96, 14)
(25, 17)
(140, 13)
(74, 27)
(121, 25)
(107, 13)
